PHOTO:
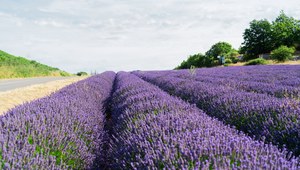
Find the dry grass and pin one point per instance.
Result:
(287, 63)
(12, 98)
(270, 62)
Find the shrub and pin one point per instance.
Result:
(283, 53)
(228, 61)
(82, 73)
(197, 60)
(63, 73)
(215, 63)
(258, 61)
(234, 59)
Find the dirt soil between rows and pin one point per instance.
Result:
(12, 98)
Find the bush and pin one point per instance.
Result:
(64, 74)
(228, 61)
(234, 60)
(283, 53)
(258, 61)
(215, 63)
(197, 60)
(82, 73)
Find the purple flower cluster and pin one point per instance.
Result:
(153, 130)
(277, 90)
(266, 117)
(61, 131)
(283, 75)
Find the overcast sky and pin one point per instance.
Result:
(89, 35)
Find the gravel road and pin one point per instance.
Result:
(10, 84)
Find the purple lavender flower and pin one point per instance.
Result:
(153, 130)
(60, 131)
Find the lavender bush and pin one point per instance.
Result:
(277, 90)
(260, 115)
(153, 130)
(284, 75)
(61, 131)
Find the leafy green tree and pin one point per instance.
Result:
(257, 39)
(220, 48)
(285, 31)
(233, 56)
(197, 60)
(263, 36)
(188, 63)
(297, 44)
(283, 53)
(183, 65)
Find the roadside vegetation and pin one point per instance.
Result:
(82, 73)
(17, 67)
(257, 61)
(273, 42)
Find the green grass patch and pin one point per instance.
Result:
(17, 67)
(257, 61)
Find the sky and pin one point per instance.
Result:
(101, 35)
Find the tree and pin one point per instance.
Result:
(191, 61)
(263, 37)
(197, 60)
(297, 45)
(257, 39)
(286, 31)
(220, 48)
(183, 65)
(233, 55)
(283, 53)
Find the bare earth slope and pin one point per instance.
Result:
(12, 98)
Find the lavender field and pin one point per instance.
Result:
(210, 118)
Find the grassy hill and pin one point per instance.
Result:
(16, 67)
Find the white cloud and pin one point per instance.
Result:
(127, 34)
(50, 23)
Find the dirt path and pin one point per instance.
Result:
(12, 98)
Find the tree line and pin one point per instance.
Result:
(279, 38)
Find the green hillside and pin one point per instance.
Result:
(16, 67)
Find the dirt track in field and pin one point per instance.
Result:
(12, 98)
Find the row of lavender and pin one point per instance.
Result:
(278, 81)
(153, 130)
(277, 90)
(267, 118)
(61, 131)
(275, 74)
